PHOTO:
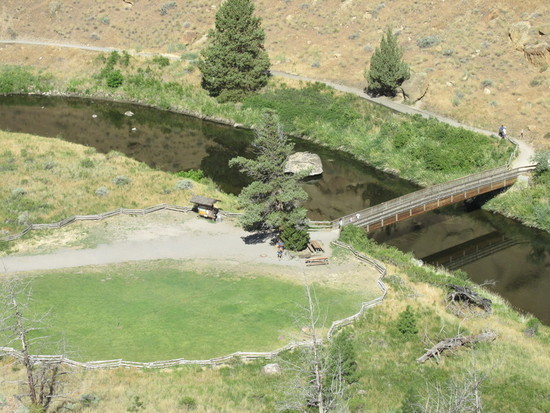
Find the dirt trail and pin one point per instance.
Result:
(525, 151)
(161, 236)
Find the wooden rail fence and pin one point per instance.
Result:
(99, 217)
(244, 356)
(430, 198)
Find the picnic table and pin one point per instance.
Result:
(315, 246)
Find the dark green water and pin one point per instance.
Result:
(487, 246)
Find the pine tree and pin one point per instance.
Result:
(272, 200)
(387, 69)
(235, 62)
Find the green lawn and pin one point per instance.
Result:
(146, 315)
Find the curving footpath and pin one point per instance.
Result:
(525, 151)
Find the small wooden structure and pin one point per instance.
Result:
(205, 206)
(316, 261)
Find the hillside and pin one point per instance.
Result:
(475, 72)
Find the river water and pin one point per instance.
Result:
(486, 246)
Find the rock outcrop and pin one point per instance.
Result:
(304, 161)
(534, 43)
(416, 87)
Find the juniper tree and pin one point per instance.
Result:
(235, 62)
(387, 68)
(272, 200)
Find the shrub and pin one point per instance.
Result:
(121, 180)
(115, 79)
(406, 322)
(428, 41)
(162, 61)
(136, 404)
(195, 175)
(487, 83)
(89, 399)
(187, 402)
(295, 238)
(87, 163)
(542, 159)
(18, 192)
(533, 325)
(102, 191)
(184, 184)
(537, 81)
(167, 6)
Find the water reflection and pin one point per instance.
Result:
(486, 246)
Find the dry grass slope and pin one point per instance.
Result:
(45, 180)
(476, 75)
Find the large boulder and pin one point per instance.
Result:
(519, 34)
(304, 161)
(415, 87)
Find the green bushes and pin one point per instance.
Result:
(21, 79)
(529, 203)
(300, 108)
(195, 175)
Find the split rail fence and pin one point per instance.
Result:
(244, 356)
(99, 217)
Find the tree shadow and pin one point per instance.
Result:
(259, 238)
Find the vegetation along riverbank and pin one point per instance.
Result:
(423, 151)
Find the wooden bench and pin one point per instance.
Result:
(315, 246)
(316, 261)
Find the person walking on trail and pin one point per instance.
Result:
(280, 249)
(502, 131)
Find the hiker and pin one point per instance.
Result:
(502, 131)
(280, 248)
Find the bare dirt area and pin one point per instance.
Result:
(477, 72)
(191, 241)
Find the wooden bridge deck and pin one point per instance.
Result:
(428, 199)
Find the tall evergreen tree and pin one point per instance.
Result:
(387, 69)
(235, 62)
(272, 200)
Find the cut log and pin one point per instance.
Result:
(464, 294)
(450, 343)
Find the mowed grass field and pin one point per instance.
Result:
(165, 313)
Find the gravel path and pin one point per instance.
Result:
(185, 237)
(525, 150)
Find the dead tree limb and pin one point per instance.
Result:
(453, 342)
(465, 294)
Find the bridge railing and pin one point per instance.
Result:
(431, 194)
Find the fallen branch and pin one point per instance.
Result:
(453, 342)
(464, 294)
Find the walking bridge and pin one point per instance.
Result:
(428, 199)
(470, 251)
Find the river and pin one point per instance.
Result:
(486, 246)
